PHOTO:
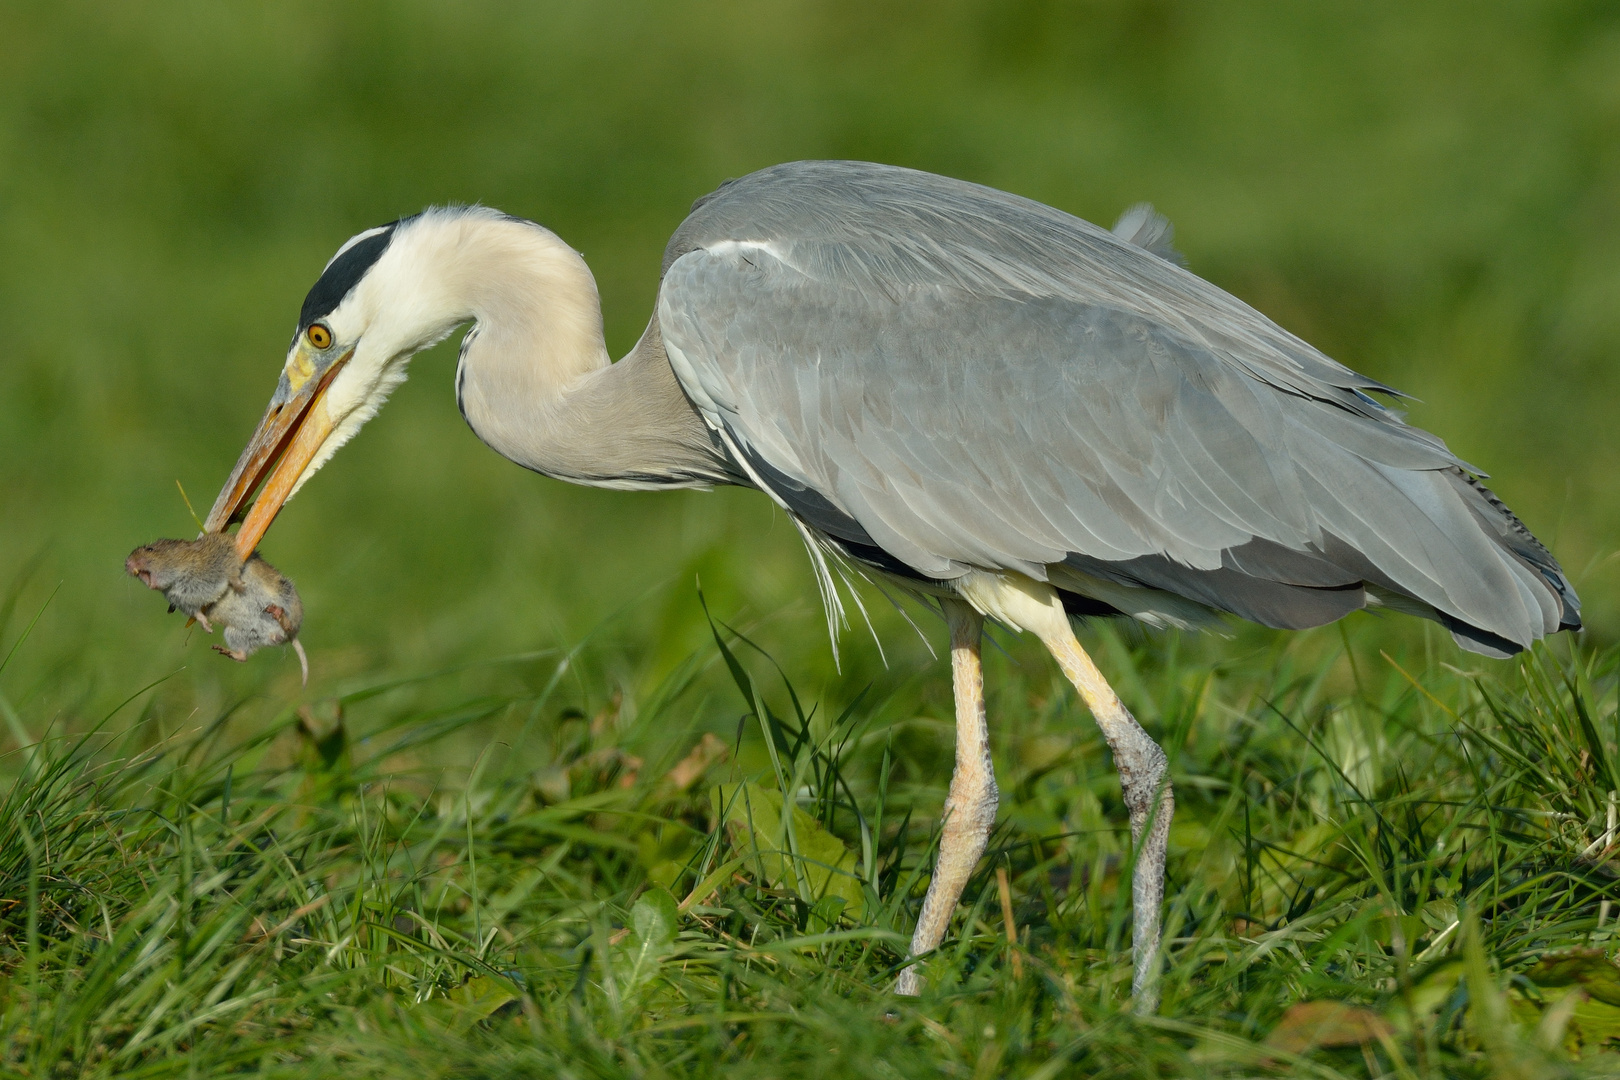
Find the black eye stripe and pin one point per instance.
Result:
(344, 273)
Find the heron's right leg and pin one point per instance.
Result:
(970, 809)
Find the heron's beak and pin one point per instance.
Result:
(291, 433)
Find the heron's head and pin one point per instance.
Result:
(383, 297)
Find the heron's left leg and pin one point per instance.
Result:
(1145, 784)
(970, 809)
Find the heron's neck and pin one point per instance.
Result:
(535, 382)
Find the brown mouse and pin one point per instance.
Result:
(261, 609)
(191, 574)
(205, 578)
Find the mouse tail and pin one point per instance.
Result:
(303, 660)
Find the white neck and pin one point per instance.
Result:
(534, 380)
(534, 299)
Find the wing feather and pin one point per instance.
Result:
(966, 379)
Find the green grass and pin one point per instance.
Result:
(1360, 820)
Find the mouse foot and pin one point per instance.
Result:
(235, 654)
(278, 613)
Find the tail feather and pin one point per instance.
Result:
(1504, 525)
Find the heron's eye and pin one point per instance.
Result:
(318, 335)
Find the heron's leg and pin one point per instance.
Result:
(1142, 769)
(970, 809)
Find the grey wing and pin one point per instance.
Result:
(952, 393)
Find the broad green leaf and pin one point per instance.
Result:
(1426, 997)
(1433, 990)
(1579, 1023)
(1590, 969)
(752, 817)
(653, 921)
(825, 914)
(473, 1001)
(654, 918)
(1594, 1025)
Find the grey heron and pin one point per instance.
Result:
(953, 390)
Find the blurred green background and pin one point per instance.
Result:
(1430, 193)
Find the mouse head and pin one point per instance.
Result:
(159, 564)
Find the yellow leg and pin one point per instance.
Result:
(1031, 605)
(1143, 781)
(970, 809)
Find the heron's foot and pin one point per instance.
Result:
(970, 811)
(970, 814)
(1152, 804)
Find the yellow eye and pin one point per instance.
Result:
(318, 335)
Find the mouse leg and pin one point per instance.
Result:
(235, 654)
(278, 613)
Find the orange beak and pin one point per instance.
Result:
(294, 427)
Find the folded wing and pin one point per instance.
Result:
(957, 378)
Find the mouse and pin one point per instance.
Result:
(253, 602)
(191, 574)
(261, 608)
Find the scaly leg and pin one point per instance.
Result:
(1142, 767)
(970, 809)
